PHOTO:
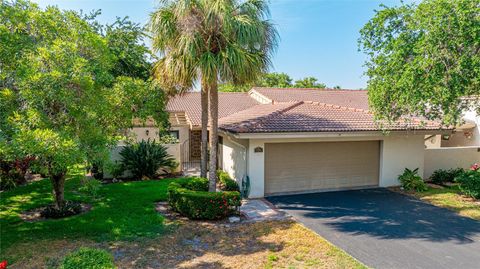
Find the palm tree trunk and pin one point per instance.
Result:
(204, 146)
(213, 109)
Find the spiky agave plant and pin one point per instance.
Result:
(145, 158)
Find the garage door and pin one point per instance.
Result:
(320, 166)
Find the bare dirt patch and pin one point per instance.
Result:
(34, 215)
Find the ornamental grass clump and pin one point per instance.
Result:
(185, 198)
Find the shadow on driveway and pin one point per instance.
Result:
(385, 229)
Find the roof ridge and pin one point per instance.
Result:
(252, 123)
(275, 113)
(310, 89)
(354, 109)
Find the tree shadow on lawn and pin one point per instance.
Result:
(121, 212)
(380, 213)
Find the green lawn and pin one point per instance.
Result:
(453, 199)
(123, 220)
(120, 211)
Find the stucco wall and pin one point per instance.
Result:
(396, 153)
(234, 157)
(447, 158)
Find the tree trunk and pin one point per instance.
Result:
(204, 146)
(213, 109)
(58, 183)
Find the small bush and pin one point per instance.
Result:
(441, 176)
(225, 182)
(90, 186)
(410, 180)
(470, 182)
(69, 209)
(197, 184)
(115, 169)
(145, 158)
(201, 204)
(88, 258)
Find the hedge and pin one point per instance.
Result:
(185, 198)
(225, 182)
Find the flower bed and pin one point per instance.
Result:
(186, 198)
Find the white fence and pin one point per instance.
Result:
(172, 149)
(446, 158)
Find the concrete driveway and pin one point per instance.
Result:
(384, 229)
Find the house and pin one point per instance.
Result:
(303, 140)
(461, 148)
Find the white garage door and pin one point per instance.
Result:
(320, 166)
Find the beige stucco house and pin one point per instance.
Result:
(304, 140)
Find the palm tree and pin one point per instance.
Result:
(226, 41)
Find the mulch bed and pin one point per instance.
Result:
(34, 215)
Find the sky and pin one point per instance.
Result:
(318, 38)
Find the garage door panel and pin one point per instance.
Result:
(298, 167)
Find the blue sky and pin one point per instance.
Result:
(318, 37)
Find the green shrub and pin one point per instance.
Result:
(469, 183)
(197, 184)
(70, 208)
(88, 258)
(225, 182)
(90, 186)
(201, 204)
(441, 176)
(7, 182)
(410, 180)
(145, 158)
(115, 169)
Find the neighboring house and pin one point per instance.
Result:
(465, 135)
(302, 140)
(458, 149)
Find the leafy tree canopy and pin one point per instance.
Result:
(424, 59)
(64, 96)
(309, 82)
(274, 80)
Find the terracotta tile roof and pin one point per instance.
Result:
(308, 117)
(228, 103)
(345, 98)
(293, 110)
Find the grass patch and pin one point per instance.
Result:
(124, 211)
(197, 244)
(453, 199)
(120, 211)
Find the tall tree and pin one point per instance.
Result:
(61, 101)
(275, 80)
(308, 82)
(216, 41)
(424, 59)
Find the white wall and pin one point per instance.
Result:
(397, 152)
(234, 157)
(447, 158)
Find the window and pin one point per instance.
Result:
(175, 133)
